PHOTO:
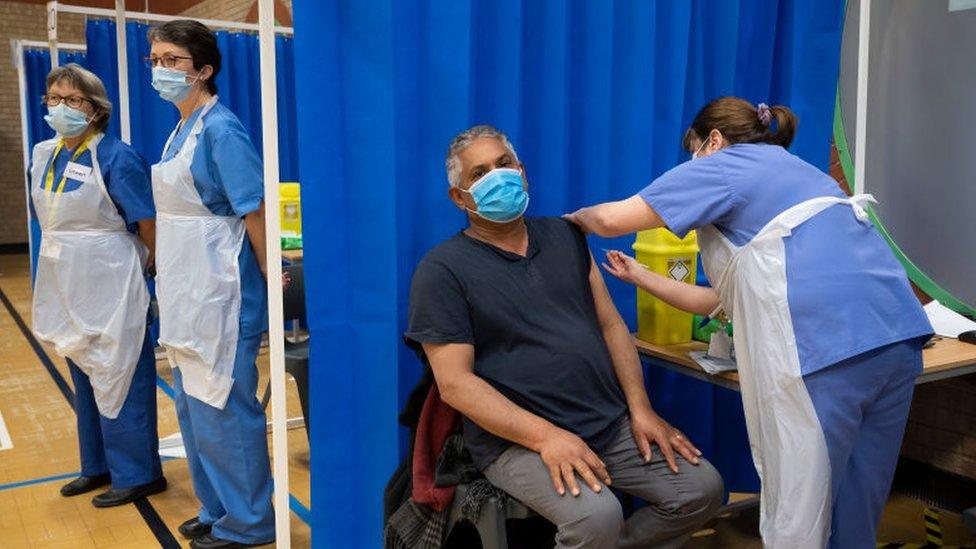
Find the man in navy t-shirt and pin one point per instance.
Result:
(525, 342)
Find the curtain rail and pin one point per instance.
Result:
(145, 16)
(44, 45)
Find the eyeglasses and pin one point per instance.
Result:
(75, 102)
(168, 61)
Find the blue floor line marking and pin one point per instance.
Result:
(300, 510)
(161, 383)
(41, 480)
(304, 513)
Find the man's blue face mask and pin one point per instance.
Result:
(499, 195)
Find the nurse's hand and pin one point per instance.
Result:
(579, 220)
(623, 266)
(648, 427)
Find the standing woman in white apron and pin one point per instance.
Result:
(828, 332)
(91, 194)
(209, 193)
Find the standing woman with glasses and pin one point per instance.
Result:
(91, 194)
(209, 193)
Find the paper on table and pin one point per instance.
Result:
(713, 365)
(946, 322)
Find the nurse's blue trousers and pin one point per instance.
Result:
(126, 447)
(227, 451)
(862, 404)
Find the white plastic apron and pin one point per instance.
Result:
(198, 282)
(785, 436)
(90, 297)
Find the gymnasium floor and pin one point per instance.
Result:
(44, 455)
(41, 426)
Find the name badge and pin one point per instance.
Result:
(77, 172)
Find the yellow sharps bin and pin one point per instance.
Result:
(666, 254)
(291, 209)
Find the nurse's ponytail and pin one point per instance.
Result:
(741, 122)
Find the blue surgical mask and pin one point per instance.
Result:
(694, 155)
(499, 195)
(67, 121)
(171, 84)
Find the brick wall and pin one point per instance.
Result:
(29, 22)
(224, 10)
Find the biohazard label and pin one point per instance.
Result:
(678, 269)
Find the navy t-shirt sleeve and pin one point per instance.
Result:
(578, 238)
(438, 308)
(692, 195)
(128, 183)
(237, 168)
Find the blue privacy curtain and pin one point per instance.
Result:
(152, 118)
(37, 64)
(595, 96)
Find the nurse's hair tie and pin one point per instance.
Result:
(764, 114)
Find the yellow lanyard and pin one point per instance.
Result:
(49, 179)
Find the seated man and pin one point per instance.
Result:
(525, 342)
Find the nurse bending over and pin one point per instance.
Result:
(828, 333)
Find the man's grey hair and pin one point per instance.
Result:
(89, 85)
(461, 142)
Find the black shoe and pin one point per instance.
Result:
(193, 528)
(207, 541)
(82, 485)
(121, 496)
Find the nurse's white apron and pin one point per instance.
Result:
(90, 297)
(785, 436)
(198, 282)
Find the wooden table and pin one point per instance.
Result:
(294, 256)
(947, 358)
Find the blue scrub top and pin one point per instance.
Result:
(847, 292)
(229, 177)
(125, 173)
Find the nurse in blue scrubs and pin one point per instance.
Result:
(828, 333)
(91, 195)
(209, 194)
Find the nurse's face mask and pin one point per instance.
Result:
(172, 84)
(67, 121)
(697, 154)
(169, 76)
(499, 195)
(702, 150)
(69, 113)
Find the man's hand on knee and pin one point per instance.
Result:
(649, 428)
(565, 455)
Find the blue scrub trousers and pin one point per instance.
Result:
(862, 404)
(227, 451)
(126, 447)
